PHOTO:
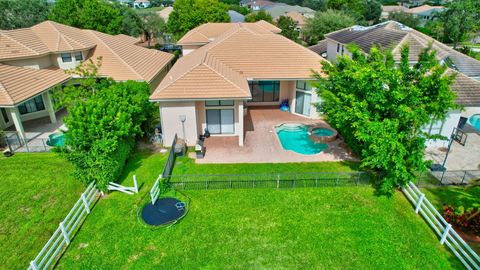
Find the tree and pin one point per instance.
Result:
(22, 13)
(104, 117)
(289, 27)
(372, 11)
(239, 9)
(259, 16)
(460, 19)
(153, 25)
(315, 4)
(132, 23)
(88, 14)
(188, 14)
(325, 22)
(380, 108)
(404, 18)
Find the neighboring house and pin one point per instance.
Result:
(283, 9)
(227, 67)
(33, 60)
(387, 10)
(141, 4)
(256, 4)
(165, 13)
(236, 17)
(394, 35)
(425, 13)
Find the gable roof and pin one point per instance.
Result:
(206, 33)
(18, 84)
(222, 68)
(423, 8)
(125, 61)
(297, 18)
(320, 47)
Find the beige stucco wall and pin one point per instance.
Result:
(57, 60)
(169, 116)
(159, 77)
(35, 63)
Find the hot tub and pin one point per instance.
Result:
(322, 134)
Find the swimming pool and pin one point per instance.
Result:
(294, 137)
(56, 139)
(475, 121)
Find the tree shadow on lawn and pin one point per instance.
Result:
(456, 196)
(133, 163)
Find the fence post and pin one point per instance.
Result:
(44, 146)
(33, 265)
(463, 178)
(278, 181)
(445, 233)
(26, 145)
(419, 203)
(64, 233)
(85, 203)
(135, 185)
(358, 179)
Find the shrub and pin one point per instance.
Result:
(467, 220)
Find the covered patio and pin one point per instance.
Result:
(261, 143)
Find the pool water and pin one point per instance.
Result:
(475, 121)
(322, 132)
(56, 139)
(294, 137)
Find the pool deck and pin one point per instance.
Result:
(261, 144)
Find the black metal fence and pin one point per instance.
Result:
(270, 180)
(459, 177)
(16, 144)
(167, 169)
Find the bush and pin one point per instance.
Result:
(467, 220)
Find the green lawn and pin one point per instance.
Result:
(324, 228)
(37, 192)
(456, 196)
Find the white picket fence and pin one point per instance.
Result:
(65, 231)
(442, 228)
(155, 190)
(128, 190)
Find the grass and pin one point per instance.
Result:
(185, 165)
(37, 192)
(327, 228)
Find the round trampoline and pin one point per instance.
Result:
(165, 211)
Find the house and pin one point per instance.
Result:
(394, 35)
(256, 4)
(228, 67)
(425, 12)
(283, 9)
(141, 4)
(387, 10)
(33, 62)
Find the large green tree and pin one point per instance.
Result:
(188, 14)
(460, 20)
(405, 18)
(380, 108)
(259, 16)
(98, 15)
(288, 27)
(325, 22)
(154, 26)
(22, 13)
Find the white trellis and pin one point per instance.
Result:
(155, 191)
(128, 190)
(448, 236)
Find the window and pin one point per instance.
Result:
(66, 57)
(217, 103)
(304, 85)
(265, 91)
(343, 49)
(5, 116)
(32, 105)
(78, 56)
(338, 47)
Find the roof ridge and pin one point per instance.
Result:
(56, 30)
(110, 49)
(225, 78)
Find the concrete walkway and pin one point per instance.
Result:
(262, 144)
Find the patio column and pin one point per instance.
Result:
(17, 121)
(49, 105)
(240, 122)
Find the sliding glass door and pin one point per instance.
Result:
(303, 101)
(220, 121)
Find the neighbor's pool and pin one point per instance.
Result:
(475, 121)
(294, 137)
(56, 139)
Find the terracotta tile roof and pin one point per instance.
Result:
(125, 61)
(221, 68)
(297, 17)
(467, 89)
(128, 39)
(18, 84)
(20, 43)
(206, 33)
(394, 8)
(423, 8)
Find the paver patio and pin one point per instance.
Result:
(261, 143)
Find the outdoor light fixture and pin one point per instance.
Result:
(182, 119)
